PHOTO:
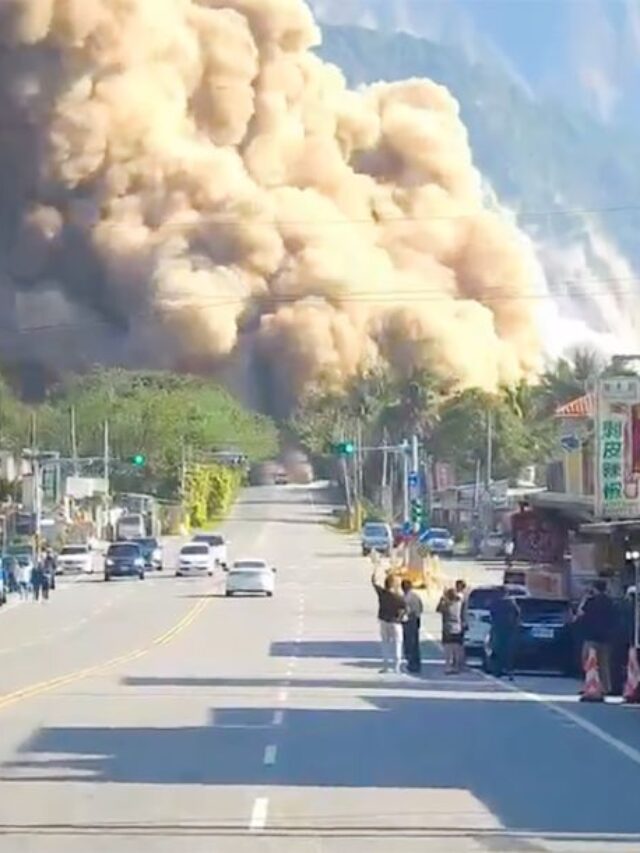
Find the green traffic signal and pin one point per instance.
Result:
(138, 459)
(343, 448)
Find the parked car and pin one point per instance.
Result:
(545, 638)
(250, 576)
(196, 558)
(478, 614)
(376, 536)
(124, 559)
(218, 544)
(151, 551)
(75, 559)
(439, 541)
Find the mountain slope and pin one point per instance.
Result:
(574, 182)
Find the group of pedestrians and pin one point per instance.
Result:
(400, 611)
(31, 579)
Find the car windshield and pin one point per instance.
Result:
(194, 550)
(124, 550)
(438, 533)
(211, 538)
(73, 550)
(147, 543)
(130, 519)
(482, 599)
(375, 530)
(540, 609)
(249, 566)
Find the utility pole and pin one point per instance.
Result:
(489, 470)
(74, 441)
(37, 500)
(405, 485)
(106, 471)
(347, 485)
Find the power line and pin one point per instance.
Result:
(398, 298)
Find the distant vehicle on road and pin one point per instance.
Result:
(75, 559)
(492, 545)
(131, 526)
(281, 478)
(376, 536)
(439, 541)
(218, 544)
(250, 576)
(196, 558)
(545, 639)
(478, 610)
(151, 551)
(122, 560)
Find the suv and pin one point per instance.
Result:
(151, 551)
(218, 545)
(124, 559)
(376, 536)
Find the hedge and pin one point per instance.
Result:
(210, 492)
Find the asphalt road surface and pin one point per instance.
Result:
(161, 716)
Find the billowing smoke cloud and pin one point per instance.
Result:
(191, 172)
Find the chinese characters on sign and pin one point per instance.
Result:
(611, 438)
(618, 457)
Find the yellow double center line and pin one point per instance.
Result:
(73, 677)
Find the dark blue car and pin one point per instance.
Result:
(124, 560)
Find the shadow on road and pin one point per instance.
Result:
(504, 753)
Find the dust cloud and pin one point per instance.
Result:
(191, 171)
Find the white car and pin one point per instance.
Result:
(218, 545)
(75, 559)
(196, 558)
(250, 576)
(478, 613)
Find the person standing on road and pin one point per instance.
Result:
(411, 627)
(505, 624)
(37, 580)
(596, 620)
(461, 589)
(50, 569)
(392, 611)
(23, 576)
(450, 608)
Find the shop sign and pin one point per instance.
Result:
(618, 454)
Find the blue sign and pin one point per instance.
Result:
(570, 442)
(407, 527)
(413, 478)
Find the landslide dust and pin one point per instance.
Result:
(191, 172)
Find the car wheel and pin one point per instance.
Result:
(210, 574)
(178, 574)
(269, 595)
(107, 577)
(228, 593)
(484, 662)
(365, 552)
(141, 576)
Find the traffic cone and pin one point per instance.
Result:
(592, 687)
(631, 692)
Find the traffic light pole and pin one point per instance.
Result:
(405, 487)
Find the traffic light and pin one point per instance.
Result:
(417, 511)
(138, 460)
(343, 448)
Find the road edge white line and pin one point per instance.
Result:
(586, 725)
(259, 813)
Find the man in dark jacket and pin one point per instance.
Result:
(505, 625)
(597, 620)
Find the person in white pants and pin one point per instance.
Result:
(392, 611)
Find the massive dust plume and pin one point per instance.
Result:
(193, 175)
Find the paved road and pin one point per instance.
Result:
(159, 715)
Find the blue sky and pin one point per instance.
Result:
(585, 51)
